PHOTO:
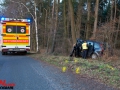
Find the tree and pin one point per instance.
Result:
(71, 13)
(56, 4)
(33, 16)
(88, 18)
(96, 18)
(57, 29)
(79, 18)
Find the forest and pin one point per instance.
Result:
(56, 24)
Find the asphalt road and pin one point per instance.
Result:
(29, 74)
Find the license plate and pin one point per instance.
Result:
(10, 49)
(16, 49)
(22, 49)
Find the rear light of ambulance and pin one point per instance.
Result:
(27, 49)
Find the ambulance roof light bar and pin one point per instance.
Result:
(2, 18)
(13, 19)
(25, 20)
(28, 20)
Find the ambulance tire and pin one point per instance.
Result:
(6, 53)
(3, 53)
(25, 53)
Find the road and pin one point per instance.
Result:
(29, 74)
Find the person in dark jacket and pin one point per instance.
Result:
(90, 49)
(75, 50)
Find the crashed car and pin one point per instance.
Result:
(95, 49)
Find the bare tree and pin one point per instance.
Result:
(96, 18)
(33, 16)
(72, 21)
(79, 17)
(56, 22)
(88, 18)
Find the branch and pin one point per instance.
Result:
(118, 9)
(25, 7)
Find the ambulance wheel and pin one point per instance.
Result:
(3, 53)
(25, 53)
(6, 53)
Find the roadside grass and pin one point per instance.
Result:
(107, 73)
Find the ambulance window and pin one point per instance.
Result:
(21, 29)
(15, 29)
(10, 29)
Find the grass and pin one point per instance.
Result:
(107, 73)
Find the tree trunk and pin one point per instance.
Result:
(65, 26)
(48, 39)
(45, 36)
(32, 38)
(55, 28)
(72, 21)
(65, 19)
(79, 14)
(96, 19)
(111, 17)
(36, 28)
(88, 18)
(117, 33)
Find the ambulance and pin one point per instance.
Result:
(14, 35)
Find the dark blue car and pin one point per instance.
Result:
(95, 49)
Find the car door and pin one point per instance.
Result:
(10, 37)
(22, 35)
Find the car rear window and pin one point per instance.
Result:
(15, 29)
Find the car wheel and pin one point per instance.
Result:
(94, 56)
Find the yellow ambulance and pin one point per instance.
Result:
(14, 35)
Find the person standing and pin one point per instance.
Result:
(75, 50)
(84, 49)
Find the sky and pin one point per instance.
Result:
(60, 0)
(1, 1)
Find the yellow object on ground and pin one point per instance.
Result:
(110, 67)
(77, 70)
(64, 69)
(76, 60)
(66, 61)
